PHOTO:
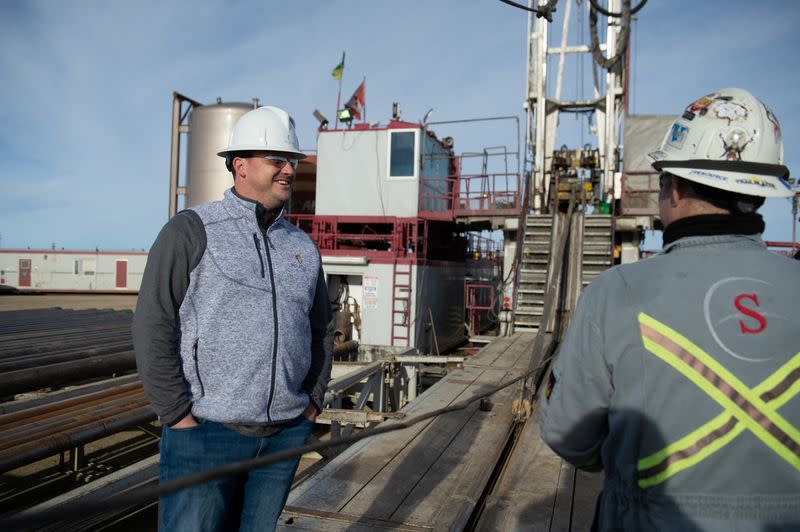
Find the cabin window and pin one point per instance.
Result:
(89, 266)
(401, 155)
(77, 264)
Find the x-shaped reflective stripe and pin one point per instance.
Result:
(754, 409)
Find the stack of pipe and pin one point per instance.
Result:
(49, 426)
(53, 347)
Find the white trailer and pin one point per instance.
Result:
(72, 270)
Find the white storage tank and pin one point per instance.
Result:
(209, 128)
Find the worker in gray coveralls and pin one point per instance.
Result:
(233, 335)
(679, 374)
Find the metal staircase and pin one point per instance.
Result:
(533, 272)
(593, 244)
(597, 242)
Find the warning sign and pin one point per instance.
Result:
(370, 291)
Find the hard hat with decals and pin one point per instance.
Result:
(264, 129)
(728, 140)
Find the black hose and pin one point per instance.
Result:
(608, 13)
(622, 45)
(546, 12)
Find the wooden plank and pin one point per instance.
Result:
(521, 349)
(534, 359)
(491, 352)
(525, 494)
(562, 509)
(331, 488)
(422, 458)
(587, 490)
(453, 486)
(294, 518)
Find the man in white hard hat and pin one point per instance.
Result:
(234, 335)
(678, 375)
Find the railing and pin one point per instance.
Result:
(483, 192)
(366, 236)
(480, 247)
(480, 303)
(436, 197)
(487, 194)
(790, 249)
(639, 193)
(522, 221)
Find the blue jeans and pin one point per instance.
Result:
(248, 501)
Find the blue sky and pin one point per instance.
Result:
(87, 86)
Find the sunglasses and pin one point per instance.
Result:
(278, 160)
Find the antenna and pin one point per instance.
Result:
(425, 118)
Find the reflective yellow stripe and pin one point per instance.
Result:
(687, 441)
(727, 402)
(707, 429)
(696, 458)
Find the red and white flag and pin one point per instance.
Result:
(356, 101)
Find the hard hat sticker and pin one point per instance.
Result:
(678, 135)
(733, 144)
(730, 111)
(703, 173)
(698, 107)
(756, 182)
(776, 127)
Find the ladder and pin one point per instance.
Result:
(401, 303)
(597, 254)
(533, 272)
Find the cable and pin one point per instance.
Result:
(609, 63)
(546, 12)
(607, 13)
(138, 496)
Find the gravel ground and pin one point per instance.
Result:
(68, 301)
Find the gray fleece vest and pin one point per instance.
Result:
(245, 338)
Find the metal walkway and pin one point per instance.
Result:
(538, 491)
(439, 474)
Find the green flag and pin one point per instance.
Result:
(337, 72)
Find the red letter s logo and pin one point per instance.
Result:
(762, 321)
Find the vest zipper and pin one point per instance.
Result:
(197, 368)
(275, 332)
(258, 251)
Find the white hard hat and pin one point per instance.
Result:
(728, 140)
(264, 129)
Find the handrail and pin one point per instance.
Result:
(520, 243)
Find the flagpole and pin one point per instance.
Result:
(364, 81)
(339, 96)
(338, 102)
